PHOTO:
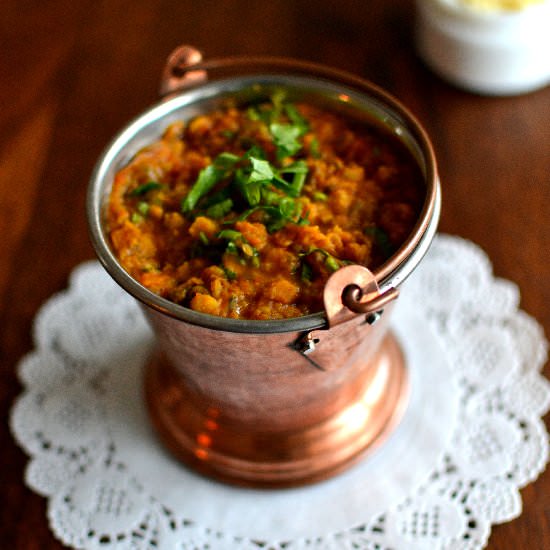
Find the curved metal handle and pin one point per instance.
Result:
(352, 294)
(353, 302)
(178, 72)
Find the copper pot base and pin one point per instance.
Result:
(198, 434)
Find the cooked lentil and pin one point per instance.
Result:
(245, 212)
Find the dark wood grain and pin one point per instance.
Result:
(73, 73)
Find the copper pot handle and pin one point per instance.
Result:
(352, 294)
(178, 73)
(353, 303)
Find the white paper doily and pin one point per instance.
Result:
(471, 437)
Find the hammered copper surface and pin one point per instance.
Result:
(262, 379)
(293, 440)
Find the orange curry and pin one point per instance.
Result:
(245, 212)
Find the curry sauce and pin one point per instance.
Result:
(244, 212)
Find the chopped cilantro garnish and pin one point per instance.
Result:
(143, 208)
(226, 161)
(306, 273)
(299, 171)
(255, 151)
(204, 238)
(296, 118)
(285, 130)
(230, 235)
(229, 273)
(332, 263)
(252, 181)
(238, 242)
(219, 209)
(314, 148)
(285, 137)
(381, 239)
(261, 170)
(231, 248)
(145, 188)
(319, 196)
(208, 178)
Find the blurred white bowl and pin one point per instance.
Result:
(485, 51)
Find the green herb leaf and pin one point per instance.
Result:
(306, 273)
(332, 263)
(297, 167)
(270, 197)
(287, 207)
(203, 238)
(250, 182)
(220, 209)
(314, 148)
(230, 274)
(143, 208)
(266, 113)
(226, 161)
(145, 188)
(319, 196)
(381, 239)
(297, 119)
(230, 235)
(255, 151)
(222, 166)
(253, 193)
(232, 248)
(261, 170)
(279, 216)
(300, 171)
(277, 99)
(248, 212)
(253, 113)
(208, 177)
(285, 137)
(303, 218)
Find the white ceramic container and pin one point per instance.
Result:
(488, 51)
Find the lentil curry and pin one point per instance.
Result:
(245, 212)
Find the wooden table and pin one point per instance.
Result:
(73, 73)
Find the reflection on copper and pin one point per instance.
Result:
(343, 97)
(201, 454)
(210, 425)
(212, 412)
(356, 416)
(264, 452)
(379, 383)
(204, 440)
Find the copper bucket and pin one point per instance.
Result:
(274, 403)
